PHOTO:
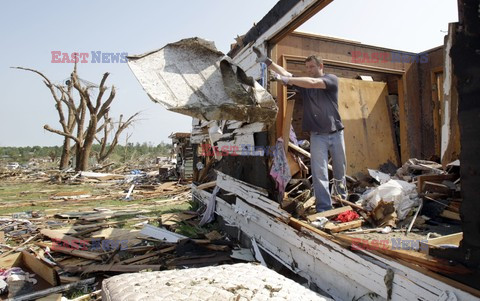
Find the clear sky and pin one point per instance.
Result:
(30, 30)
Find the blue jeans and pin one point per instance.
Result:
(321, 145)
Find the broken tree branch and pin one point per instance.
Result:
(48, 128)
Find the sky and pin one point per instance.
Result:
(31, 30)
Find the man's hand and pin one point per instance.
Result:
(274, 76)
(261, 58)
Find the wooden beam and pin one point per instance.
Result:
(335, 63)
(334, 228)
(424, 260)
(207, 185)
(432, 178)
(345, 202)
(298, 19)
(287, 122)
(402, 111)
(299, 149)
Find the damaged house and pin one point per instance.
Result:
(395, 106)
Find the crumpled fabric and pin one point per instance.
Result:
(16, 274)
(293, 137)
(4, 273)
(280, 171)
(347, 216)
(209, 212)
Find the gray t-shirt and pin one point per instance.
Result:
(320, 107)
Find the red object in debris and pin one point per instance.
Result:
(347, 216)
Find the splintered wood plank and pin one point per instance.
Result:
(71, 251)
(302, 208)
(436, 188)
(450, 215)
(452, 239)
(334, 228)
(58, 236)
(169, 219)
(328, 213)
(432, 178)
(149, 255)
(207, 185)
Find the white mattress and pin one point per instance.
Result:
(243, 281)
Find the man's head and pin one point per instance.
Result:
(314, 65)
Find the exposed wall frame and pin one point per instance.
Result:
(344, 274)
(438, 107)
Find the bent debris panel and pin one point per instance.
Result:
(192, 77)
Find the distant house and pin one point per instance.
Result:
(183, 154)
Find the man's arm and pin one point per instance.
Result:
(279, 69)
(286, 77)
(307, 82)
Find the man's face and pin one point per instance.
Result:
(313, 69)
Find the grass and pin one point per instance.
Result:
(11, 192)
(35, 197)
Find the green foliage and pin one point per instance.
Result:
(24, 154)
(121, 153)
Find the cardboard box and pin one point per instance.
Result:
(46, 276)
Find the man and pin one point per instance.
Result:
(321, 118)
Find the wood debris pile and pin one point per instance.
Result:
(64, 248)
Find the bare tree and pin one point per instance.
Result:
(106, 148)
(62, 96)
(80, 112)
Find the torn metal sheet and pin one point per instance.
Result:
(192, 77)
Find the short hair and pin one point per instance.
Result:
(318, 60)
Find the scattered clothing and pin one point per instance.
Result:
(280, 171)
(347, 216)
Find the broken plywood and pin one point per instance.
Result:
(130, 237)
(368, 125)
